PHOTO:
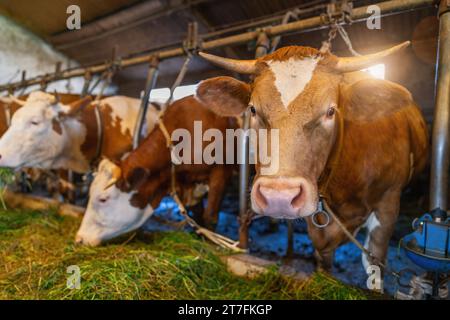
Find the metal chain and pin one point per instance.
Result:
(346, 38)
(336, 26)
(326, 45)
(212, 236)
(365, 251)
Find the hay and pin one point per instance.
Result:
(37, 247)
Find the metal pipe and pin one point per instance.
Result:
(359, 13)
(440, 144)
(150, 83)
(262, 46)
(244, 166)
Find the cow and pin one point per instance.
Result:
(48, 134)
(358, 142)
(123, 194)
(57, 183)
(9, 105)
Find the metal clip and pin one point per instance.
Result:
(192, 43)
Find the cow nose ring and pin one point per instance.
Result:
(320, 210)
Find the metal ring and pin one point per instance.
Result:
(317, 224)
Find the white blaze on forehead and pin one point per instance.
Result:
(292, 76)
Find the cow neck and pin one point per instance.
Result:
(72, 157)
(333, 159)
(93, 121)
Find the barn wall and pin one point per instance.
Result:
(22, 50)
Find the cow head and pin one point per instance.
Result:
(110, 212)
(38, 131)
(296, 90)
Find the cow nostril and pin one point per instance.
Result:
(297, 201)
(78, 240)
(260, 198)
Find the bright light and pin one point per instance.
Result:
(184, 91)
(161, 95)
(376, 71)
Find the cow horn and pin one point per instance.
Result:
(116, 174)
(239, 66)
(110, 184)
(79, 105)
(351, 64)
(17, 100)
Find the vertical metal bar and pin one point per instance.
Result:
(262, 46)
(440, 144)
(150, 83)
(86, 84)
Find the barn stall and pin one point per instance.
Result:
(153, 51)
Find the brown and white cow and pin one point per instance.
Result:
(143, 178)
(364, 139)
(49, 134)
(8, 106)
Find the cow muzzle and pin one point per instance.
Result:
(284, 197)
(87, 241)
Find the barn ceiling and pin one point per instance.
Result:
(136, 26)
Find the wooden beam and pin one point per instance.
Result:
(358, 14)
(121, 21)
(27, 201)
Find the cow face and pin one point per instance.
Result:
(109, 213)
(296, 92)
(38, 132)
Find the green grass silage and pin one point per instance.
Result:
(37, 247)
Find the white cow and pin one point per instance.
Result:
(47, 134)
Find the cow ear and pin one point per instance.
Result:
(78, 106)
(137, 177)
(225, 96)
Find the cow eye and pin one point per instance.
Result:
(103, 199)
(252, 109)
(331, 111)
(34, 122)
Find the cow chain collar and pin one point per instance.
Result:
(365, 251)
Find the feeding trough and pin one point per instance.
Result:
(428, 246)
